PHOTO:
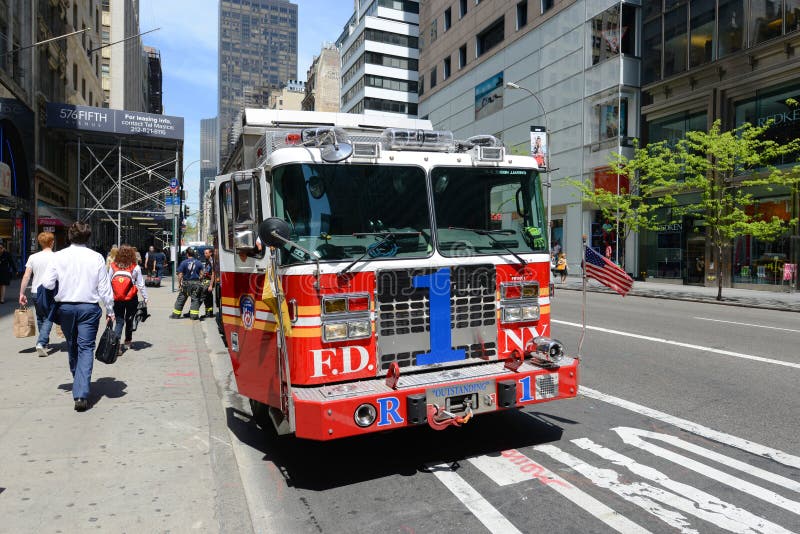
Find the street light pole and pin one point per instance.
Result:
(548, 184)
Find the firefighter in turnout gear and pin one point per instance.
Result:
(208, 279)
(189, 272)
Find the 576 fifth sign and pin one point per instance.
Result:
(118, 121)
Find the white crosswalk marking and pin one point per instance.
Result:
(686, 498)
(641, 494)
(700, 430)
(480, 507)
(511, 467)
(633, 436)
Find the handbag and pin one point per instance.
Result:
(108, 346)
(24, 322)
(140, 316)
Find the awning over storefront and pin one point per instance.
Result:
(51, 216)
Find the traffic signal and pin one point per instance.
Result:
(185, 211)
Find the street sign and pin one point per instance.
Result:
(171, 205)
(173, 185)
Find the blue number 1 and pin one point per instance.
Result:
(438, 285)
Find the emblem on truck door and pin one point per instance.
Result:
(247, 307)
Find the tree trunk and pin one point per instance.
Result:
(719, 273)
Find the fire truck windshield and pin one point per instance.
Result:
(344, 212)
(483, 211)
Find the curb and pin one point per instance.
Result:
(684, 299)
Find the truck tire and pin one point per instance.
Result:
(261, 414)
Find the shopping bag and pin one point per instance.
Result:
(108, 347)
(24, 322)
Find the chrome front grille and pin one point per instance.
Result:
(403, 315)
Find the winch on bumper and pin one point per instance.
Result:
(355, 408)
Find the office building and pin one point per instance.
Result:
(125, 66)
(733, 61)
(154, 81)
(578, 58)
(322, 81)
(209, 153)
(379, 50)
(257, 52)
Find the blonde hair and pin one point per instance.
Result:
(46, 239)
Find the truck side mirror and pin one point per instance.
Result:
(269, 228)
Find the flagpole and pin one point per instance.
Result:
(583, 307)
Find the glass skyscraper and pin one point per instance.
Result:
(257, 52)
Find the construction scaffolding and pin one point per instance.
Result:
(125, 179)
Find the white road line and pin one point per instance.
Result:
(512, 467)
(686, 498)
(746, 324)
(641, 494)
(635, 437)
(487, 514)
(720, 437)
(684, 345)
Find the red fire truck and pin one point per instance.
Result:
(377, 277)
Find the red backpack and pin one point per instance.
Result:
(122, 283)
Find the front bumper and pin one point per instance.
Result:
(327, 412)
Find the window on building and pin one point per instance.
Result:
(462, 8)
(731, 24)
(766, 20)
(83, 88)
(434, 30)
(522, 14)
(75, 76)
(701, 37)
(433, 77)
(547, 5)
(446, 68)
(421, 85)
(792, 16)
(75, 15)
(651, 43)
(609, 37)
(609, 118)
(462, 56)
(490, 37)
(91, 98)
(675, 43)
(448, 19)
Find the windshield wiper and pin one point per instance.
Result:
(388, 237)
(490, 234)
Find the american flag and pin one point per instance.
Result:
(607, 273)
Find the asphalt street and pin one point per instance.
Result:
(687, 421)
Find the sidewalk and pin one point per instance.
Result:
(749, 298)
(152, 454)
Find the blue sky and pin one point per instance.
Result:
(188, 44)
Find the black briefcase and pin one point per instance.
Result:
(108, 346)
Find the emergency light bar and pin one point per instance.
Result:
(407, 139)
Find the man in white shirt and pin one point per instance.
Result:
(83, 283)
(36, 267)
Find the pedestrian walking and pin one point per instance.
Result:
(6, 271)
(561, 266)
(111, 255)
(189, 273)
(127, 283)
(83, 284)
(150, 261)
(35, 269)
(160, 261)
(209, 279)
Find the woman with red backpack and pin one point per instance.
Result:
(126, 283)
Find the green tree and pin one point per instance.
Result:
(723, 168)
(636, 204)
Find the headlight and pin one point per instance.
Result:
(530, 313)
(365, 415)
(512, 315)
(334, 331)
(357, 329)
